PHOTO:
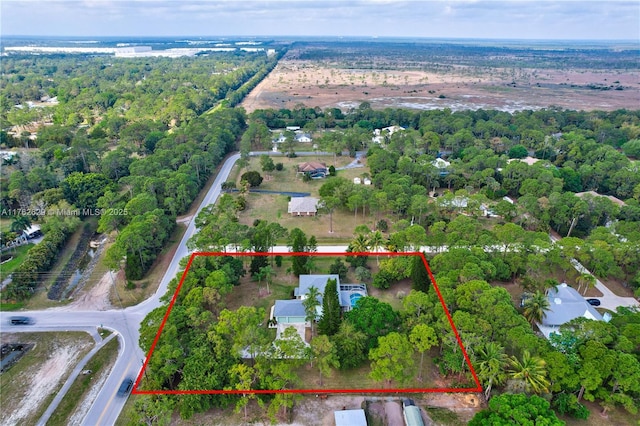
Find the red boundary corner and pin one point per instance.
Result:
(135, 390)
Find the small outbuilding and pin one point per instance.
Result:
(350, 418)
(411, 413)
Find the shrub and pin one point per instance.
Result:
(382, 280)
(339, 268)
(252, 177)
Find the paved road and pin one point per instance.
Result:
(125, 324)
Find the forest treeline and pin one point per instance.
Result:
(448, 57)
(128, 138)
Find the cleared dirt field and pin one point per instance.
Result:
(30, 385)
(324, 84)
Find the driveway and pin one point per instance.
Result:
(609, 300)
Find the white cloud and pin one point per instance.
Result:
(436, 18)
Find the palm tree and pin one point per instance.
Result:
(376, 241)
(535, 307)
(360, 244)
(491, 366)
(310, 264)
(587, 280)
(20, 223)
(267, 272)
(531, 370)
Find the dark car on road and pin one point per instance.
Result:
(593, 302)
(20, 321)
(125, 387)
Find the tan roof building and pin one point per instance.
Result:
(613, 199)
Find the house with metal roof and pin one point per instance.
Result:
(350, 418)
(303, 137)
(566, 304)
(292, 311)
(289, 311)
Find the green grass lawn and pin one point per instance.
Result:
(273, 207)
(18, 256)
(358, 378)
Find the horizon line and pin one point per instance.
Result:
(289, 36)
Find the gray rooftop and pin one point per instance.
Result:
(567, 304)
(289, 308)
(303, 205)
(317, 281)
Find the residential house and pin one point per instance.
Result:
(529, 160)
(379, 134)
(303, 137)
(594, 194)
(314, 169)
(303, 206)
(290, 312)
(441, 165)
(357, 181)
(280, 139)
(33, 231)
(566, 304)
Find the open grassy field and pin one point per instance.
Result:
(273, 207)
(31, 384)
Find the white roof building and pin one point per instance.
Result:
(350, 418)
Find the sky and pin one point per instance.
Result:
(495, 19)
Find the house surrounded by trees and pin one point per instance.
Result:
(287, 312)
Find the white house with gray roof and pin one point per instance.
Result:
(292, 311)
(566, 304)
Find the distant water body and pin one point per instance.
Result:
(220, 41)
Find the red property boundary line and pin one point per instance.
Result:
(135, 389)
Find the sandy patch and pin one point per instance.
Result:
(312, 411)
(316, 83)
(95, 298)
(47, 379)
